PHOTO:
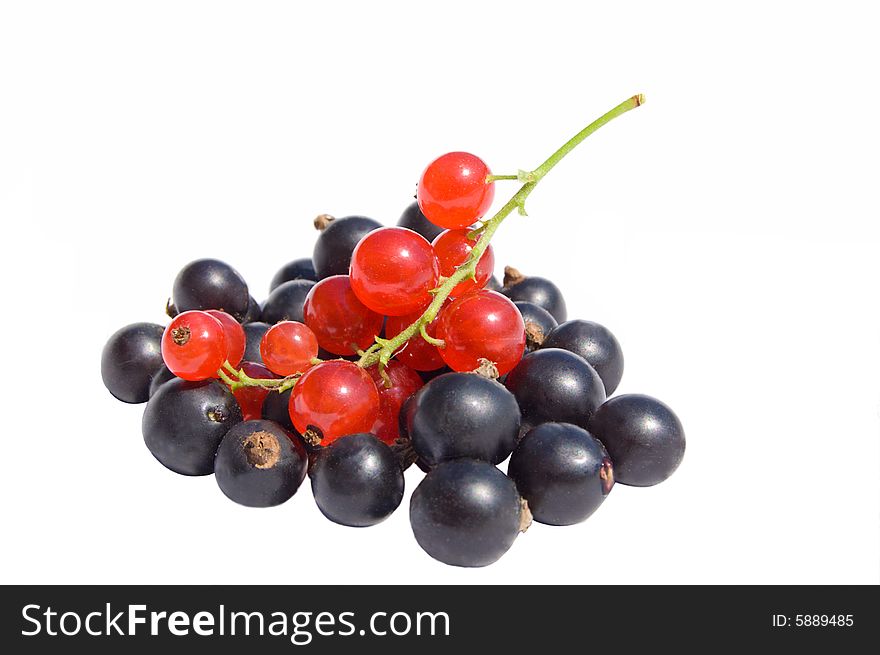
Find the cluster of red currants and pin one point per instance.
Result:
(392, 346)
(392, 275)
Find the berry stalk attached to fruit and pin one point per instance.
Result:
(384, 349)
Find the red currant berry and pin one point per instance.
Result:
(404, 383)
(392, 270)
(453, 192)
(452, 248)
(418, 353)
(341, 322)
(194, 346)
(334, 399)
(235, 337)
(288, 347)
(481, 325)
(251, 399)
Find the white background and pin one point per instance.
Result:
(726, 232)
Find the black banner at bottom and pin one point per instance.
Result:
(433, 619)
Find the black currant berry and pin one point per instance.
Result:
(463, 415)
(563, 472)
(555, 385)
(259, 464)
(253, 313)
(538, 322)
(276, 407)
(131, 358)
(467, 513)
(285, 303)
(493, 284)
(357, 481)
(643, 436)
(536, 290)
(184, 423)
(211, 284)
(164, 375)
(253, 335)
(332, 254)
(596, 344)
(412, 218)
(298, 269)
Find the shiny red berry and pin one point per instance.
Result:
(342, 323)
(235, 337)
(418, 354)
(194, 346)
(453, 192)
(334, 399)
(288, 347)
(251, 399)
(392, 270)
(404, 383)
(452, 248)
(481, 325)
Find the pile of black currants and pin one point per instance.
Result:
(394, 346)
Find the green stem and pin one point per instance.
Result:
(233, 385)
(423, 330)
(495, 178)
(288, 383)
(248, 381)
(237, 378)
(573, 142)
(385, 350)
(477, 231)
